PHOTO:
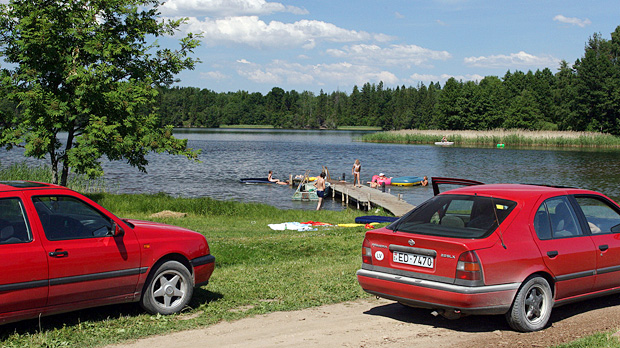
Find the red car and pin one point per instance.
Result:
(511, 249)
(64, 252)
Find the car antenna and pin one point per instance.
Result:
(501, 238)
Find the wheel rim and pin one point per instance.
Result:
(169, 289)
(535, 304)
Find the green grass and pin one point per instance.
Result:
(511, 137)
(43, 173)
(258, 270)
(601, 339)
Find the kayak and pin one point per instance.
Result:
(444, 143)
(256, 181)
(374, 218)
(407, 180)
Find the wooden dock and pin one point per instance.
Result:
(365, 198)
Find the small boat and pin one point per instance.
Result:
(374, 218)
(307, 192)
(256, 181)
(407, 180)
(379, 180)
(444, 143)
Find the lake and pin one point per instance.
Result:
(230, 154)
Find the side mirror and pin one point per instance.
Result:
(117, 230)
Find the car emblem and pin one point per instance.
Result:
(411, 242)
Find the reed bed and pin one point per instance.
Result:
(508, 137)
(43, 173)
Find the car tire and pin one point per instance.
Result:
(531, 308)
(168, 290)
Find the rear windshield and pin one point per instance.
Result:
(458, 216)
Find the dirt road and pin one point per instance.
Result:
(382, 323)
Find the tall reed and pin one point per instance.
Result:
(43, 173)
(510, 137)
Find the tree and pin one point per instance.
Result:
(85, 81)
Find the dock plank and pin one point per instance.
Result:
(366, 197)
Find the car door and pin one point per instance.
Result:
(86, 262)
(567, 251)
(24, 281)
(602, 218)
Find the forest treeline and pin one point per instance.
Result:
(584, 96)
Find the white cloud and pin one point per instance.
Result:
(279, 71)
(513, 60)
(572, 20)
(250, 30)
(214, 75)
(394, 55)
(223, 8)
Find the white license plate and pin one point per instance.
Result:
(414, 259)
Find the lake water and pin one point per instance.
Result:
(231, 154)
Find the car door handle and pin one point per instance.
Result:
(603, 247)
(552, 254)
(59, 253)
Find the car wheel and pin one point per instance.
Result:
(168, 289)
(532, 306)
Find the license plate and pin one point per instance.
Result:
(414, 259)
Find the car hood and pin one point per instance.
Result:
(149, 227)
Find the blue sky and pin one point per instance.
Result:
(255, 45)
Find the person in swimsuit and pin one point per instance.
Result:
(424, 181)
(277, 181)
(357, 167)
(320, 189)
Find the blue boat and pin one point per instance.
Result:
(374, 218)
(256, 181)
(407, 180)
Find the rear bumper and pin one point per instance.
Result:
(490, 299)
(203, 267)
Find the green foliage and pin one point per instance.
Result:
(582, 97)
(258, 271)
(84, 79)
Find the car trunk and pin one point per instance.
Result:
(420, 256)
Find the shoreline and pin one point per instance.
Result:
(510, 137)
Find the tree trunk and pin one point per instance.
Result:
(65, 165)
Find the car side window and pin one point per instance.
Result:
(560, 219)
(601, 217)
(64, 217)
(13, 224)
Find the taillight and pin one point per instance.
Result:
(366, 252)
(468, 267)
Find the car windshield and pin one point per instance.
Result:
(457, 216)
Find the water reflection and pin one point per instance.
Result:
(228, 155)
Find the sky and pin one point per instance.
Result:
(333, 45)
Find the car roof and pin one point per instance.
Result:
(515, 191)
(19, 185)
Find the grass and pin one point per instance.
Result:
(511, 137)
(43, 173)
(601, 339)
(258, 270)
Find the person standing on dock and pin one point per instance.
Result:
(357, 167)
(320, 189)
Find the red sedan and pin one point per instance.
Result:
(516, 250)
(63, 252)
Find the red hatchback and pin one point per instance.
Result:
(64, 252)
(511, 249)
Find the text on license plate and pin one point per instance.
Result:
(414, 259)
